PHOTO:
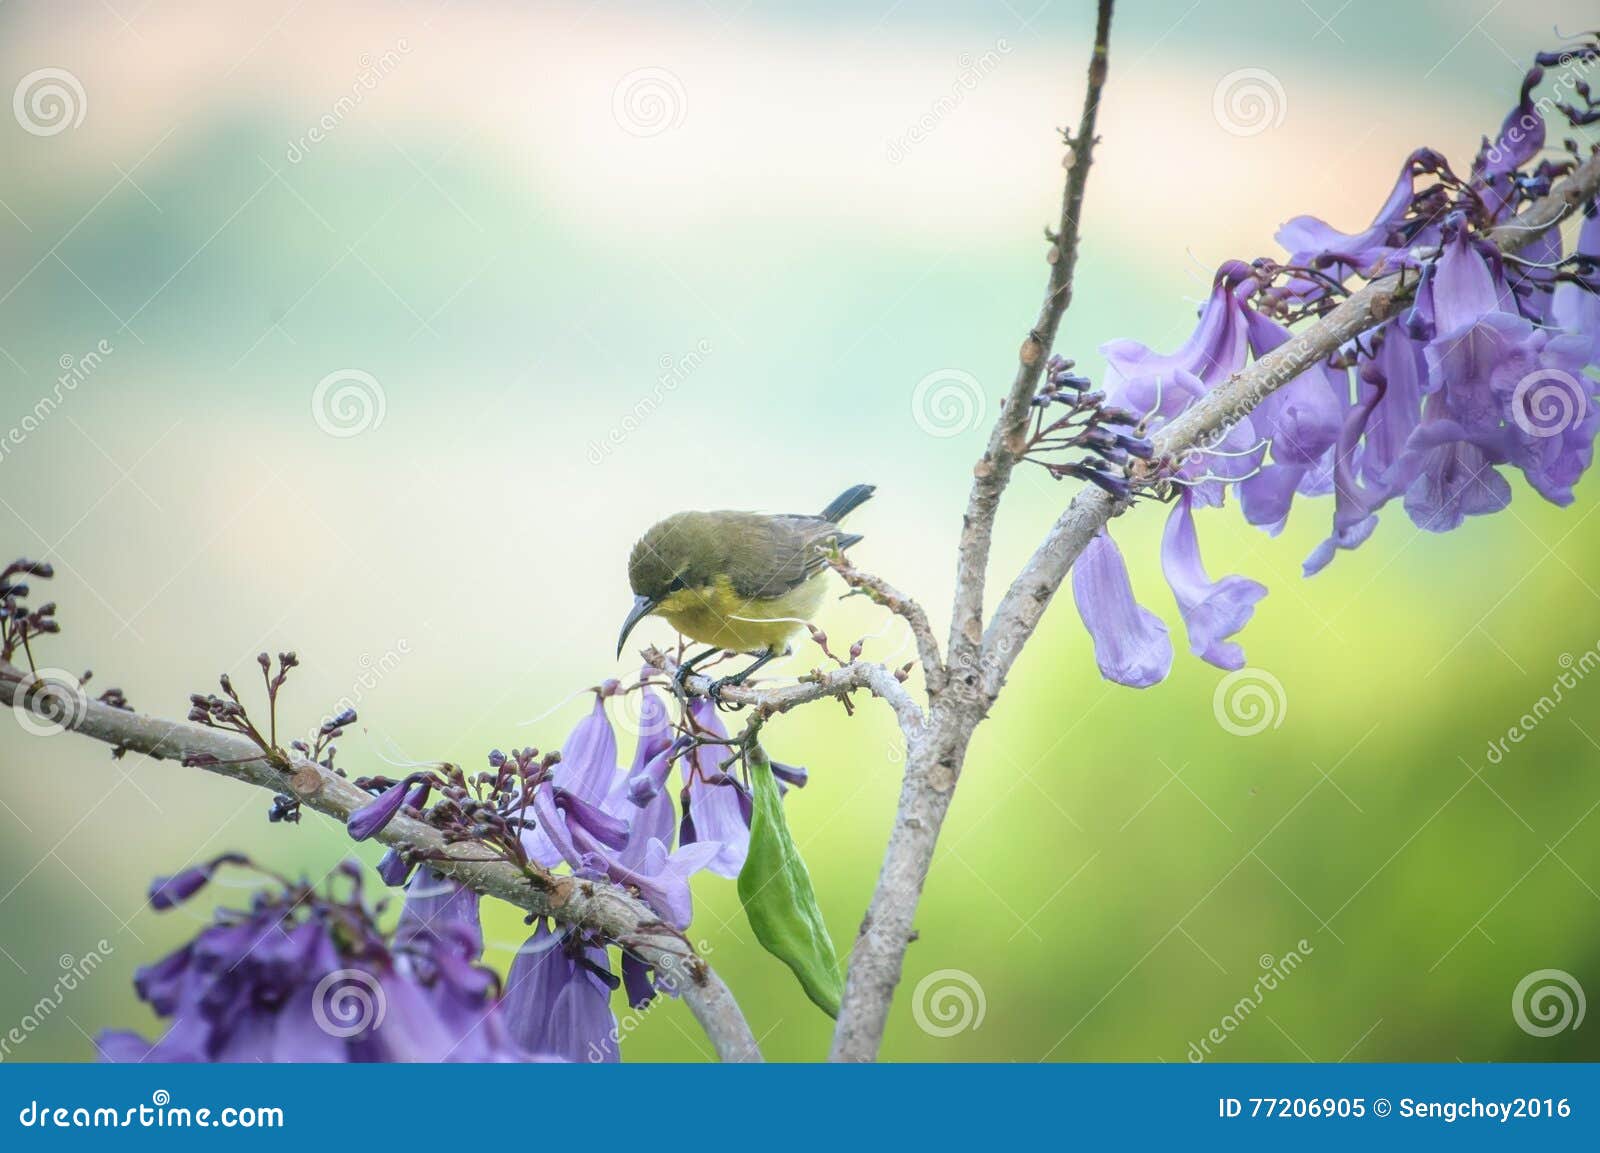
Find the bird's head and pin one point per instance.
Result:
(677, 554)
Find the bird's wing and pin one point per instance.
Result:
(775, 554)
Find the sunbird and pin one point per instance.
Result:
(738, 581)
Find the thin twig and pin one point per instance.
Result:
(885, 594)
(1007, 441)
(770, 699)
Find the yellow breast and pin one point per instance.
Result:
(717, 615)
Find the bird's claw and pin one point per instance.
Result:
(714, 692)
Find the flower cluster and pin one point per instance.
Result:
(303, 975)
(1488, 369)
(579, 811)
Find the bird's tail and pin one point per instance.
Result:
(842, 505)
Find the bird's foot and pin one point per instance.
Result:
(714, 692)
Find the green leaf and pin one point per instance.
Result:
(776, 892)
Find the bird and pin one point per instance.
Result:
(737, 581)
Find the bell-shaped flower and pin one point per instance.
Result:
(1131, 645)
(558, 998)
(1212, 610)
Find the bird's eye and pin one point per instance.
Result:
(676, 584)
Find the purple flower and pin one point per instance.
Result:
(1212, 610)
(373, 817)
(434, 908)
(558, 998)
(588, 765)
(1131, 645)
(1575, 305)
(1312, 242)
(169, 892)
(1213, 352)
(715, 804)
(300, 976)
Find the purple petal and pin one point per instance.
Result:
(553, 1005)
(1131, 645)
(608, 830)
(1455, 480)
(373, 817)
(717, 814)
(1212, 610)
(589, 758)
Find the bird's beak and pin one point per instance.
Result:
(642, 607)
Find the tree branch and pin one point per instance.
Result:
(769, 700)
(604, 908)
(1018, 613)
(936, 750)
(1006, 441)
(883, 593)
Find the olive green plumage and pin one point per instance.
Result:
(739, 580)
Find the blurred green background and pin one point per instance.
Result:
(516, 244)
